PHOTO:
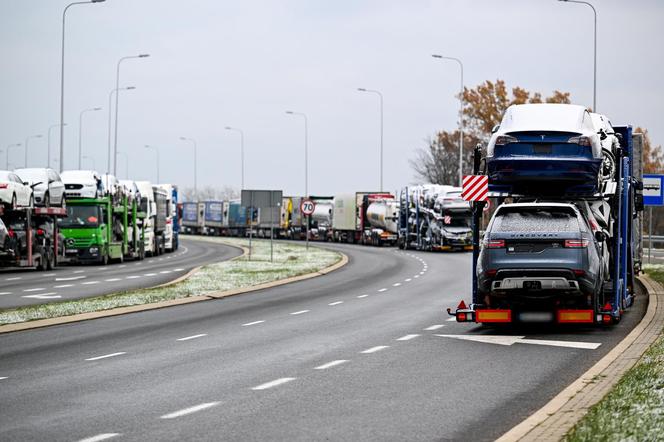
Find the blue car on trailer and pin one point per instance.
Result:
(548, 147)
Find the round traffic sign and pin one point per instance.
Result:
(487, 205)
(307, 207)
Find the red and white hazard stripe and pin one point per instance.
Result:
(475, 188)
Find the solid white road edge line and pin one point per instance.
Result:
(100, 437)
(272, 383)
(331, 364)
(189, 410)
(252, 323)
(192, 337)
(300, 312)
(375, 349)
(96, 358)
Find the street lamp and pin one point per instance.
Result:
(306, 150)
(48, 154)
(461, 101)
(7, 157)
(26, 147)
(110, 127)
(241, 151)
(80, 131)
(62, 80)
(156, 149)
(594, 51)
(86, 157)
(126, 163)
(195, 163)
(361, 89)
(117, 86)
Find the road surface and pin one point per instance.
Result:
(26, 287)
(352, 355)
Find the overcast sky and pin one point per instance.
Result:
(243, 63)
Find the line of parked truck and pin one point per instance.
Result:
(426, 217)
(81, 216)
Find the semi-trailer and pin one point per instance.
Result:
(193, 217)
(214, 217)
(365, 217)
(611, 208)
(31, 238)
(172, 230)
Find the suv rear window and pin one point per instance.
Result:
(536, 219)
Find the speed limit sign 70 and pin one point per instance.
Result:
(307, 207)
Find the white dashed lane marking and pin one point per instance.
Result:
(36, 289)
(50, 295)
(396, 284)
(192, 337)
(90, 282)
(165, 272)
(331, 364)
(362, 296)
(63, 286)
(16, 278)
(5, 293)
(3, 377)
(112, 279)
(271, 384)
(189, 410)
(100, 437)
(335, 303)
(435, 327)
(111, 355)
(252, 323)
(408, 279)
(150, 274)
(407, 337)
(133, 277)
(382, 290)
(300, 312)
(375, 349)
(71, 278)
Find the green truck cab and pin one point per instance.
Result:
(99, 230)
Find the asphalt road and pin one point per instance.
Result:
(26, 287)
(353, 355)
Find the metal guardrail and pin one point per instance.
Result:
(655, 238)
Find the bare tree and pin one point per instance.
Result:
(210, 193)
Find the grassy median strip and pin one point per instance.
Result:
(634, 409)
(289, 260)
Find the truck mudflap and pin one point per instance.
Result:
(480, 315)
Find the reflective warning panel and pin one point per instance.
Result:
(475, 188)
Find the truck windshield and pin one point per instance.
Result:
(80, 216)
(458, 221)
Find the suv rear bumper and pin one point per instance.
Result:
(536, 283)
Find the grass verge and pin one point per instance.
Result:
(289, 260)
(634, 409)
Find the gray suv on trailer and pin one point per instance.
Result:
(540, 252)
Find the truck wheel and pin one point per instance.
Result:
(41, 265)
(50, 261)
(104, 259)
(47, 200)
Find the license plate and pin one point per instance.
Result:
(542, 149)
(532, 285)
(71, 251)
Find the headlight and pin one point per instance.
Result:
(94, 250)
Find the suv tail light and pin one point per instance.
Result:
(581, 141)
(502, 140)
(495, 243)
(576, 243)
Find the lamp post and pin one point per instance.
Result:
(594, 50)
(48, 154)
(117, 86)
(195, 163)
(7, 157)
(110, 98)
(461, 101)
(86, 157)
(26, 147)
(62, 79)
(80, 131)
(306, 163)
(241, 151)
(126, 163)
(156, 149)
(361, 89)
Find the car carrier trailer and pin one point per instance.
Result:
(624, 195)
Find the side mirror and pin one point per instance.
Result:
(495, 128)
(26, 183)
(599, 236)
(602, 134)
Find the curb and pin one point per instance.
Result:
(555, 419)
(39, 323)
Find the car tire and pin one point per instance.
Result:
(13, 203)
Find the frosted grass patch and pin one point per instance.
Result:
(289, 260)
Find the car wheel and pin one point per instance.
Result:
(47, 200)
(13, 203)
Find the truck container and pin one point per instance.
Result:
(214, 217)
(172, 229)
(193, 217)
(237, 218)
(365, 217)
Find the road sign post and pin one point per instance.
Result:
(653, 195)
(307, 208)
